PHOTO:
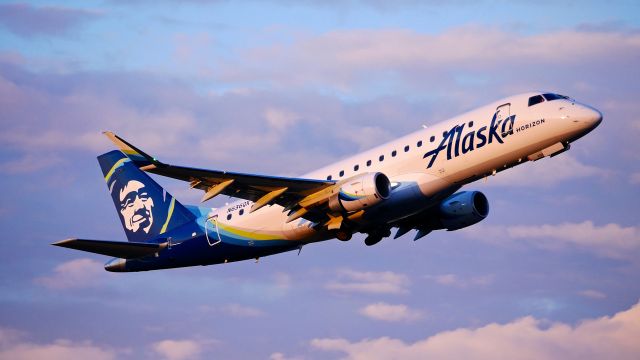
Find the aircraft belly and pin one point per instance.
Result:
(404, 201)
(198, 251)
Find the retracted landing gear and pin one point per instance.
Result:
(377, 236)
(343, 235)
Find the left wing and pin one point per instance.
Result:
(301, 197)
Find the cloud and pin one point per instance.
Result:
(181, 349)
(282, 281)
(52, 139)
(235, 310)
(78, 273)
(68, 112)
(46, 124)
(14, 346)
(273, 286)
(30, 163)
(242, 311)
(280, 119)
(27, 20)
(281, 356)
(546, 172)
(368, 137)
(607, 337)
(385, 282)
(609, 240)
(593, 294)
(460, 282)
(347, 59)
(391, 313)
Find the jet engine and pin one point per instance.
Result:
(463, 209)
(361, 192)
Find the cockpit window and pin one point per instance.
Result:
(535, 100)
(551, 97)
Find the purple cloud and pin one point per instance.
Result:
(610, 240)
(14, 344)
(346, 59)
(27, 20)
(540, 341)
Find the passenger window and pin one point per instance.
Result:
(394, 153)
(241, 212)
(535, 100)
(329, 177)
(470, 123)
(406, 148)
(432, 139)
(355, 168)
(381, 158)
(368, 162)
(341, 173)
(229, 217)
(419, 144)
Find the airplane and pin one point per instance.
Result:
(411, 183)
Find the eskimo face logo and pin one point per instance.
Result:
(136, 207)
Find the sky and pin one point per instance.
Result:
(283, 87)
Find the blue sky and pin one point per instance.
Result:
(283, 87)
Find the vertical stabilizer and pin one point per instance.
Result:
(145, 209)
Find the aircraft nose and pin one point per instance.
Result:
(585, 116)
(590, 116)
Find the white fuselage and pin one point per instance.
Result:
(446, 155)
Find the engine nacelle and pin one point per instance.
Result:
(361, 192)
(463, 209)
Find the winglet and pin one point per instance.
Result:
(139, 157)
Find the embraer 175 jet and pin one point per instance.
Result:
(409, 183)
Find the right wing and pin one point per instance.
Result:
(119, 249)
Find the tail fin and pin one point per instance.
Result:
(145, 209)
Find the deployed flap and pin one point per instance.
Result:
(119, 249)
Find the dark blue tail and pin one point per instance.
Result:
(146, 210)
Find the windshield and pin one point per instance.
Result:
(551, 97)
(535, 100)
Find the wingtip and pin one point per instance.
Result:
(114, 138)
(63, 242)
(129, 150)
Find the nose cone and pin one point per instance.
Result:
(594, 117)
(116, 265)
(589, 116)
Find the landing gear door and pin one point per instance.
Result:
(213, 222)
(503, 113)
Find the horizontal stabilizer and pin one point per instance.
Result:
(119, 249)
